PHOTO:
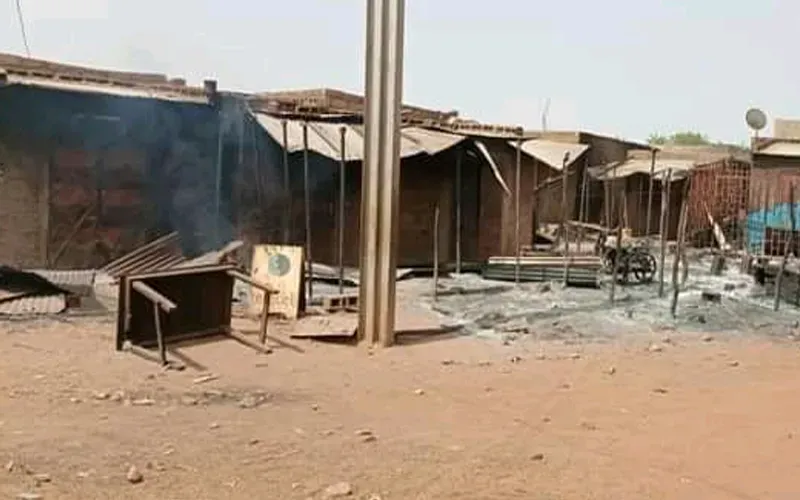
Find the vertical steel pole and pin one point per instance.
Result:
(342, 191)
(218, 183)
(287, 187)
(307, 215)
(517, 213)
(436, 252)
(381, 172)
(565, 214)
(459, 190)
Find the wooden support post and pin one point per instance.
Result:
(679, 250)
(788, 246)
(666, 184)
(618, 245)
(162, 348)
(583, 201)
(262, 333)
(436, 252)
(287, 186)
(154, 297)
(307, 214)
(565, 214)
(535, 200)
(650, 194)
(517, 214)
(341, 207)
(765, 218)
(459, 221)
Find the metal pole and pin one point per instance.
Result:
(535, 201)
(287, 187)
(618, 243)
(788, 245)
(584, 199)
(381, 172)
(436, 252)
(459, 189)
(342, 186)
(650, 194)
(307, 215)
(517, 186)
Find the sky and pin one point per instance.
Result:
(626, 68)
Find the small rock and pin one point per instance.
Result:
(729, 287)
(213, 425)
(315, 407)
(134, 476)
(589, 426)
(733, 364)
(338, 490)
(629, 313)
(537, 457)
(75, 400)
(419, 392)
(169, 451)
(117, 396)
(612, 370)
(655, 348)
(708, 338)
(484, 363)
(143, 402)
(667, 340)
(254, 441)
(189, 401)
(545, 287)
(541, 357)
(29, 496)
(250, 402)
(660, 390)
(101, 396)
(205, 378)
(711, 296)
(546, 419)
(84, 474)
(448, 362)
(369, 439)
(10, 466)
(41, 479)
(327, 433)
(374, 496)
(515, 359)
(157, 466)
(363, 432)
(575, 355)
(701, 319)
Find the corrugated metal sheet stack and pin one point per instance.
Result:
(583, 271)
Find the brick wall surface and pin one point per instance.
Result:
(20, 228)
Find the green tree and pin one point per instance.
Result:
(686, 138)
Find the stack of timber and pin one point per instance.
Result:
(581, 270)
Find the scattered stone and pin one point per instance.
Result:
(701, 319)
(484, 363)
(75, 400)
(363, 432)
(101, 396)
(41, 479)
(711, 296)
(612, 370)
(143, 402)
(29, 496)
(546, 419)
(537, 457)
(667, 340)
(251, 401)
(10, 466)
(189, 401)
(629, 313)
(733, 364)
(589, 426)
(660, 390)
(541, 357)
(213, 425)
(169, 451)
(708, 338)
(729, 287)
(254, 441)
(315, 407)
(327, 433)
(205, 378)
(157, 466)
(374, 496)
(655, 348)
(545, 287)
(369, 439)
(448, 362)
(134, 476)
(84, 474)
(338, 490)
(575, 355)
(117, 396)
(419, 392)
(515, 359)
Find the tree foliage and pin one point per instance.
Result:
(686, 138)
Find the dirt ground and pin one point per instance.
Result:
(458, 418)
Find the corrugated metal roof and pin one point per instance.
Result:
(324, 138)
(680, 169)
(163, 93)
(47, 304)
(552, 153)
(789, 149)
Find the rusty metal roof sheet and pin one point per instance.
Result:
(680, 169)
(324, 138)
(161, 253)
(552, 153)
(786, 148)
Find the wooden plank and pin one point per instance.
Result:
(281, 268)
